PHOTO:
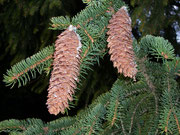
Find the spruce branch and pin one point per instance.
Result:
(169, 116)
(19, 73)
(90, 12)
(60, 23)
(93, 45)
(86, 32)
(148, 80)
(167, 120)
(89, 122)
(177, 122)
(27, 126)
(173, 67)
(123, 128)
(172, 108)
(11, 125)
(158, 47)
(134, 112)
(116, 108)
(92, 40)
(60, 124)
(153, 89)
(93, 123)
(115, 113)
(136, 88)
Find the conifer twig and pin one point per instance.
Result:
(19, 72)
(132, 93)
(115, 113)
(171, 104)
(91, 129)
(123, 128)
(167, 120)
(16, 76)
(177, 122)
(149, 82)
(89, 36)
(134, 112)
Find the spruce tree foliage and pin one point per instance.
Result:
(38, 62)
(149, 105)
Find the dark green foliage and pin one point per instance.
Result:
(158, 47)
(173, 67)
(169, 115)
(60, 124)
(60, 23)
(116, 104)
(19, 126)
(38, 62)
(149, 105)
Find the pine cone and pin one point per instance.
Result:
(65, 71)
(120, 43)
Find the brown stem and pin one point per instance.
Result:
(134, 112)
(177, 122)
(115, 113)
(31, 67)
(166, 127)
(149, 82)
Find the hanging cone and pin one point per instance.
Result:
(120, 43)
(65, 71)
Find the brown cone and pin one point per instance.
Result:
(120, 43)
(65, 71)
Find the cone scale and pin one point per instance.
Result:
(120, 43)
(65, 71)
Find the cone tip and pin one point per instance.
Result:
(71, 28)
(125, 8)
